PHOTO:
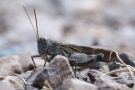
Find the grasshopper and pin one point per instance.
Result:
(47, 47)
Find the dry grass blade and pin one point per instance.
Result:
(129, 68)
(47, 84)
(21, 78)
(115, 71)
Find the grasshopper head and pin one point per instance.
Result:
(42, 44)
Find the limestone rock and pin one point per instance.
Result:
(58, 70)
(108, 84)
(75, 84)
(31, 88)
(40, 79)
(30, 79)
(9, 65)
(95, 75)
(25, 56)
(125, 78)
(14, 81)
(128, 58)
(26, 74)
(4, 86)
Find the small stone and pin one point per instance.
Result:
(129, 83)
(58, 70)
(113, 66)
(128, 58)
(36, 80)
(25, 56)
(108, 84)
(31, 88)
(4, 86)
(26, 74)
(95, 75)
(15, 82)
(125, 78)
(75, 84)
(9, 65)
(30, 79)
(40, 79)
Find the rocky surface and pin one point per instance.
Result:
(5, 86)
(15, 82)
(58, 75)
(10, 65)
(125, 78)
(76, 84)
(25, 56)
(95, 75)
(127, 57)
(58, 70)
(106, 23)
(107, 84)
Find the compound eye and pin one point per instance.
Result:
(41, 39)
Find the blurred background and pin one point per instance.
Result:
(105, 23)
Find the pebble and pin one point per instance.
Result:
(14, 81)
(58, 70)
(10, 65)
(127, 57)
(4, 86)
(75, 84)
(108, 84)
(125, 78)
(95, 75)
(25, 56)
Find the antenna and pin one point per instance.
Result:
(31, 22)
(36, 22)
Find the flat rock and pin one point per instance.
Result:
(75, 84)
(95, 75)
(128, 58)
(125, 78)
(26, 74)
(4, 86)
(25, 56)
(31, 88)
(108, 84)
(15, 82)
(9, 65)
